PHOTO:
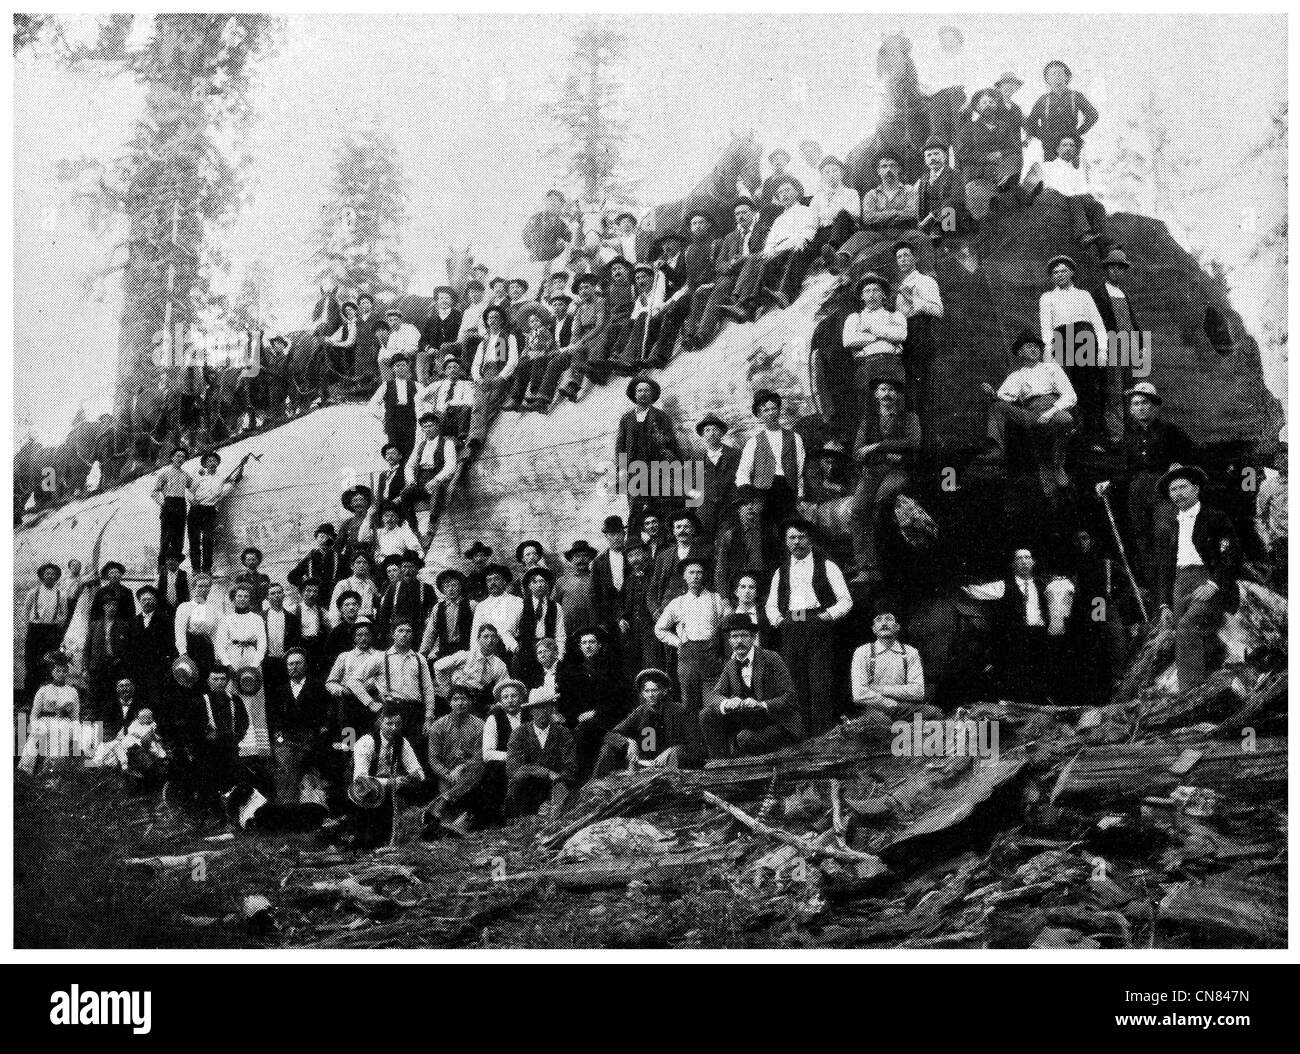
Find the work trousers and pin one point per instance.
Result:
(740, 732)
(1195, 625)
(808, 648)
(203, 529)
(171, 532)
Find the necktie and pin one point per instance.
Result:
(108, 638)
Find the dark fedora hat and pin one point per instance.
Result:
(538, 572)
(353, 491)
(710, 419)
(254, 550)
(446, 575)
(326, 529)
(683, 514)
(657, 246)
(58, 571)
(764, 395)
(103, 571)
(621, 260)
(738, 622)
(587, 278)
(888, 154)
(580, 546)
(613, 524)
(519, 549)
(410, 556)
(935, 143)
(796, 521)
(747, 494)
(643, 379)
(391, 560)
(387, 447)
(1191, 473)
(477, 547)
(1026, 336)
(1116, 257)
(499, 569)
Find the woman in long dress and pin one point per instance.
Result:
(240, 642)
(196, 625)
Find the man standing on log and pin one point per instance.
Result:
(1198, 565)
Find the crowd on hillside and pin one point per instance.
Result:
(699, 632)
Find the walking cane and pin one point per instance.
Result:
(1123, 556)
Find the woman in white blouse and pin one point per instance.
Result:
(196, 625)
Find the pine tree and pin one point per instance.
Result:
(589, 115)
(178, 175)
(364, 218)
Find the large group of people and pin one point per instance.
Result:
(699, 632)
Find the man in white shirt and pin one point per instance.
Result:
(785, 255)
(920, 304)
(361, 583)
(453, 397)
(45, 613)
(499, 609)
(403, 339)
(354, 681)
(835, 208)
(807, 596)
(1038, 397)
(1072, 327)
(429, 472)
(1067, 177)
(772, 461)
(690, 624)
(383, 765)
(874, 337)
(886, 674)
(282, 633)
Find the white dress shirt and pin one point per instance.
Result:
(503, 614)
(1062, 307)
(802, 596)
(923, 296)
(793, 229)
(690, 617)
(1187, 554)
(1067, 179)
(1042, 378)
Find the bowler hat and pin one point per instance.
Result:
(185, 671)
(248, 679)
(935, 143)
(1069, 73)
(613, 524)
(1190, 473)
(326, 529)
(1115, 257)
(640, 379)
(738, 621)
(477, 547)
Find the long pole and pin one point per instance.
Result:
(1123, 556)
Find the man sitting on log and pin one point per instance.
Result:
(753, 709)
(541, 763)
(778, 269)
(888, 681)
(890, 213)
(429, 470)
(641, 740)
(1067, 177)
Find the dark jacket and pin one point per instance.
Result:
(389, 486)
(608, 600)
(151, 648)
(976, 139)
(1154, 448)
(1216, 544)
(559, 755)
(584, 686)
(736, 551)
(947, 192)
(97, 644)
(719, 486)
(292, 630)
(417, 603)
(730, 251)
(182, 588)
(653, 439)
(903, 441)
(325, 568)
(228, 713)
(309, 712)
(771, 684)
(125, 601)
(437, 332)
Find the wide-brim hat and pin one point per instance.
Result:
(1115, 257)
(326, 529)
(1069, 73)
(655, 674)
(1026, 336)
(682, 514)
(580, 546)
(410, 556)
(642, 379)
(353, 491)
(477, 547)
(657, 246)
(450, 572)
(517, 281)
(254, 550)
(1144, 388)
(542, 699)
(248, 679)
(697, 212)
(392, 560)
(103, 571)
(888, 154)
(748, 494)
(1062, 259)
(623, 260)
(1191, 473)
(387, 447)
(538, 572)
(1008, 78)
(525, 313)
(347, 594)
(762, 396)
(829, 159)
(872, 278)
(509, 682)
(443, 289)
(992, 93)
(366, 792)
(58, 571)
(705, 562)
(185, 671)
(796, 521)
(935, 143)
(499, 569)
(586, 278)
(710, 419)
(519, 549)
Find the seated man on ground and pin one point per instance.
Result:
(888, 681)
(640, 740)
(503, 721)
(754, 710)
(456, 761)
(383, 765)
(541, 764)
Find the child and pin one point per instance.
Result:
(140, 750)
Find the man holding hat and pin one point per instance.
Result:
(641, 739)
(807, 596)
(383, 765)
(1061, 109)
(886, 446)
(45, 615)
(1152, 446)
(1199, 564)
(441, 328)
(720, 462)
(541, 763)
(874, 336)
(429, 472)
(753, 709)
(646, 436)
(1038, 397)
(395, 403)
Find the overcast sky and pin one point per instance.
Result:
(465, 99)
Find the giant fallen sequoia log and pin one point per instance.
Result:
(1228, 907)
(1136, 770)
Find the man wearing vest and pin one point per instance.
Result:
(406, 600)
(1120, 320)
(223, 723)
(888, 682)
(45, 613)
(428, 473)
(1198, 573)
(395, 402)
(1021, 631)
(772, 461)
(887, 442)
(541, 617)
(448, 628)
(456, 761)
(753, 709)
(807, 596)
(503, 721)
(383, 764)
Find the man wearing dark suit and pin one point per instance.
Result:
(742, 545)
(173, 584)
(671, 269)
(941, 196)
(112, 573)
(753, 709)
(541, 763)
(741, 245)
(408, 599)
(645, 435)
(1023, 659)
(108, 645)
(283, 632)
(119, 714)
(1123, 330)
(666, 581)
(720, 462)
(392, 481)
(698, 259)
(218, 724)
(1199, 563)
(151, 646)
(609, 574)
(641, 649)
(297, 713)
(442, 328)
(323, 565)
(355, 532)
